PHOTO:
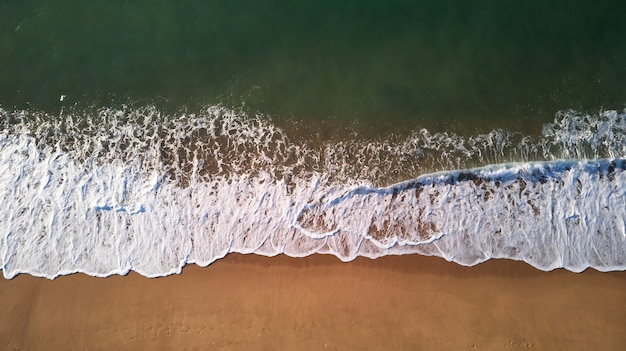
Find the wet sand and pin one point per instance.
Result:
(247, 302)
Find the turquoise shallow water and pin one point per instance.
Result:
(421, 63)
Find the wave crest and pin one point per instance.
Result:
(117, 190)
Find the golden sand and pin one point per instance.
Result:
(247, 302)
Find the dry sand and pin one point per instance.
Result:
(319, 303)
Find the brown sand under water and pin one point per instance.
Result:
(248, 302)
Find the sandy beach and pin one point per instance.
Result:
(140, 135)
(248, 302)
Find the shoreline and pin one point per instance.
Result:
(319, 302)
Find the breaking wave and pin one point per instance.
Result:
(113, 190)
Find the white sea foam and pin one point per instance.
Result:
(118, 190)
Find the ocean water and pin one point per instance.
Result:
(141, 136)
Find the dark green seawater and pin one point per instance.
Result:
(149, 134)
(410, 63)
